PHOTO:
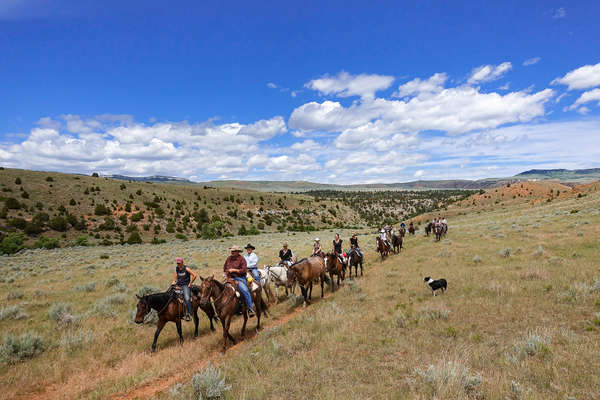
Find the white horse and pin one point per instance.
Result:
(265, 282)
(278, 275)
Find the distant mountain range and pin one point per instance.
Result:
(563, 175)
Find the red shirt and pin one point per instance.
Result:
(235, 262)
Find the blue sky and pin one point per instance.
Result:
(337, 92)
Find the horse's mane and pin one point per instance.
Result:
(152, 298)
(299, 261)
(219, 284)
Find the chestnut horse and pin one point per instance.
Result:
(169, 309)
(334, 266)
(307, 271)
(382, 248)
(226, 303)
(411, 229)
(438, 231)
(397, 243)
(354, 259)
(428, 228)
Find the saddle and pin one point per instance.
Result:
(177, 293)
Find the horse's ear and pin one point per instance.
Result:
(201, 278)
(138, 297)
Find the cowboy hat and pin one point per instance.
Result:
(249, 246)
(235, 248)
(284, 244)
(317, 239)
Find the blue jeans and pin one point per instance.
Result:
(357, 249)
(255, 275)
(244, 289)
(187, 297)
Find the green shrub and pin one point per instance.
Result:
(12, 312)
(137, 216)
(181, 236)
(209, 383)
(86, 287)
(18, 223)
(242, 231)
(58, 311)
(11, 203)
(58, 223)
(72, 341)
(134, 238)
(17, 181)
(24, 194)
(18, 348)
(101, 209)
(47, 243)
(33, 228)
(82, 241)
(12, 243)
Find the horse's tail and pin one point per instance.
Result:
(327, 280)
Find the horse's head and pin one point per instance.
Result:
(206, 289)
(143, 308)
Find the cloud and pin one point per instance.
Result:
(419, 173)
(531, 61)
(584, 77)
(559, 13)
(265, 129)
(586, 97)
(487, 73)
(453, 110)
(307, 145)
(434, 84)
(271, 85)
(347, 85)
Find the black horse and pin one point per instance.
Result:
(169, 308)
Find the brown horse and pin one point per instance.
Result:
(334, 266)
(428, 228)
(397, 243)
(227, 303)
(402, 232)
(382, 248)
(170, 309)
(354, 259)
(438, 231)
(411, 229)
(307, 271)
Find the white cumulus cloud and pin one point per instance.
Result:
(584, 77)
(531, 61)
(487, 73)
(346, 85)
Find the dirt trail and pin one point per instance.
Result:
(150, 389)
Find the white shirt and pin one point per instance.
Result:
(383, 236)
(251, 260)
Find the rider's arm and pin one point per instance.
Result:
(174, 277)
(192, 274)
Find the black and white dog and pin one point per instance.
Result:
(436, 285)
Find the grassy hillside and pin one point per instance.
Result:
(106, 211)
(521, 317)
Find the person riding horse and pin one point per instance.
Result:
(317, 249)
(337, 248)
(252, 262)
(384, 238)
(235, 268)
(183, 278)
(354, 246)
(285, 255)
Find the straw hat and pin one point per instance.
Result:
(235, 248)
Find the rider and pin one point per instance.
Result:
(403, 225)
(235, 268)
(383, 237)
(337, 247)
(252, 262)
(444, 221)
(285, 255)
(317, 247)
(354, 245)
(183, 278)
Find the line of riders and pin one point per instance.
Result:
(243, 270)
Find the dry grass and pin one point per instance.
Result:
(381, 336)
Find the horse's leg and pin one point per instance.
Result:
(303, 290)
(310, 293)
(361, 270)
(196, 320)
(159, 326)
(332, 282)
(245, 315)
(323, 283)
(179, 331)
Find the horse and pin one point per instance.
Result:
(402, 232)
(428, 228)
(278, 274)
(411, 229)
(334, 266)
(354, 259)
(438, 231)
(226, 302)
(397, 243)
(169, 309)
(266, 284)
(307, 271)
(382, 248)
